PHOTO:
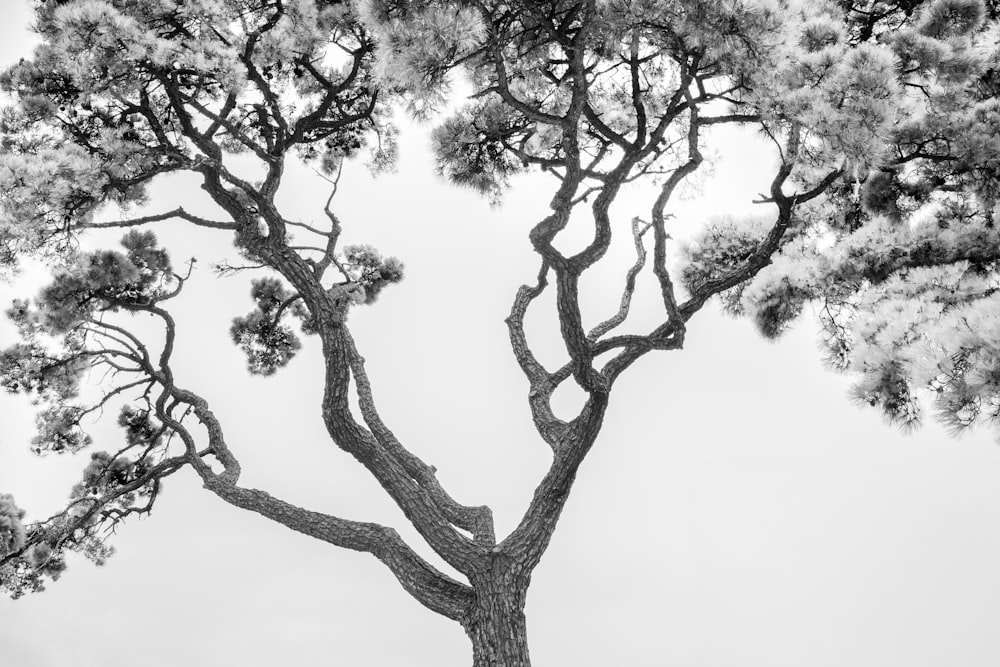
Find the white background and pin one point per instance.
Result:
(737, 509)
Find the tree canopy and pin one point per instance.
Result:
(882, 209)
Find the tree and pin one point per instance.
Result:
(882, 207)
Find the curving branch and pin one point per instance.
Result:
(430, 587)
(476, 520)
(529, 540)
(433, 589)
(541, 384)
(277, 144)
(178, 212)
(625, 303)
(659, 221)
(419, 506)
(761, 257)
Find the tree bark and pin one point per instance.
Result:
(496, 623)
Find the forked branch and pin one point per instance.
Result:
(476, 520)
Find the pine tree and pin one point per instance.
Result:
(882, 210)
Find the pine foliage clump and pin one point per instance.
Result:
(267, 344)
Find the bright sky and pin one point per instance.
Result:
(737, 509)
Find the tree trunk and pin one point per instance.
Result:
(496, 624)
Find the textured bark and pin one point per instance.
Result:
(496, 624)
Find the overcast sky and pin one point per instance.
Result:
(737, 509)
